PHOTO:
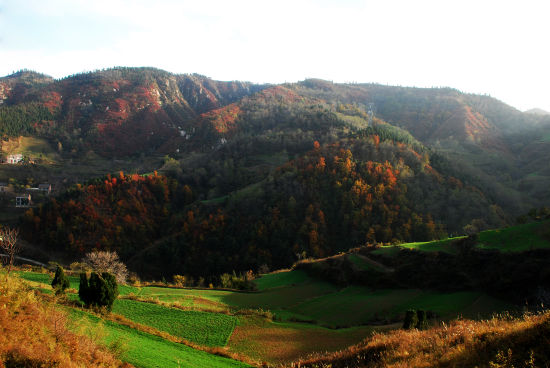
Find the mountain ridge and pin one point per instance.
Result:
(300, 166)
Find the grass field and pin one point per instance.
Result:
(512, 239)
(517, 238)
(444, 245)
(204, 328)
(359, 262)
(279, 279)
(358, 305)
(364, 264)
(46, 278)
(282, 342)
(292, 296)
(31, 147)
(148, 351)
(270, 298)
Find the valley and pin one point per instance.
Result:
(279, 225)
(290, 315)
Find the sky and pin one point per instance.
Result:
(498, 48)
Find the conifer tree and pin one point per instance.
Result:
(98, 290)
(60, 281)
(411, 320)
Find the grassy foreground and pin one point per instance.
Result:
(336, 317)
(497, 343)
(37, 333)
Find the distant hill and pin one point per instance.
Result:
(537, 111)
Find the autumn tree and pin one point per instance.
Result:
(8, 243)
(103, 261)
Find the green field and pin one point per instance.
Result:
(204, 328)
(358, 305)
(291, 295)
(278, 296)
(359, 262)
(279, 279)
(445, 245)
(517, 238)
(148, 351)
(36, 148)
(336, 317)
(46, 278)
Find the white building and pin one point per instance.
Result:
(15, 159)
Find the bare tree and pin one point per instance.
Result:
(103, 261)
(8, 243)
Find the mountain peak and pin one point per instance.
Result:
(26, 75)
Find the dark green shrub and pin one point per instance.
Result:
(60, 282)
(422, 323)
(411, 320)
(98, 290)
(83, 289)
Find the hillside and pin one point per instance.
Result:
(38, 333)
(498, 342)
(346, 190)
(508, 264)
(303, 168)
(115, 112)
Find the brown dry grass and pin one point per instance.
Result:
(34, 333)
(499, 342)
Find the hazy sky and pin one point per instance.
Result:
(499, 48)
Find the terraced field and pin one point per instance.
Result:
(149, 351)
(309, 315)
(204, 328)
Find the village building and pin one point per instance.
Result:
(46, 188)
(4, 187)
(23, 201)
(15, 158)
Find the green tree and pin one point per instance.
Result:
(98, 290)
(422, 323)
(60, 281)
(411, 319)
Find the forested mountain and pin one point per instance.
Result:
(258, 175)
(114, 112)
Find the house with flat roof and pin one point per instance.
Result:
(46, 188)
(15, 158)
(23, 201)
